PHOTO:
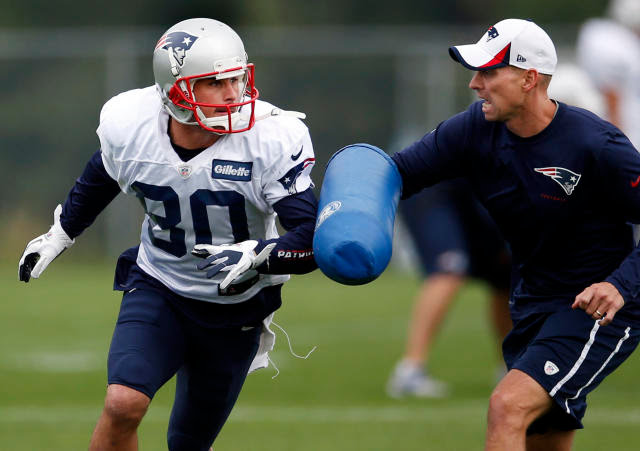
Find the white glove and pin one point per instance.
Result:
(43, 250)
(237, 259)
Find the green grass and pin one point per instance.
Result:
(56, 333)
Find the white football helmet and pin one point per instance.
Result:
(203, 48)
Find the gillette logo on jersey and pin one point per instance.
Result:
(238, 171)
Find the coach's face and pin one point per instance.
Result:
(501, 90)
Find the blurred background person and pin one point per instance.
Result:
(572, 85)
(455, 239)
(608, 49)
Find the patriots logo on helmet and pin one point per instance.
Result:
(567, 179)
(177, 44)
(288, 181)
(492, 33)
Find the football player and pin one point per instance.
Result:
(212, 167)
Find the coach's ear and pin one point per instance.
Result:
(530, 79)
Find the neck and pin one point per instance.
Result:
(190, 136)
(534, 117)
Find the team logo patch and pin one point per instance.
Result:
(492, 33)
(567, 179)
(550, 368)
(177, 44)
(184, 170)
(288, 181)
(327, 211)
(239, 171)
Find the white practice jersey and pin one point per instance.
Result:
(225, 194)
(610, 54)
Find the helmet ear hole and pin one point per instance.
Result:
(175, 95)
(180, 97)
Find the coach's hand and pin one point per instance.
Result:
(237, 259)
(43, 250)
(600, 301)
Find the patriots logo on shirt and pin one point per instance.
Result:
(492, 33)
(177, 44)
(567, 179)
(288, 181)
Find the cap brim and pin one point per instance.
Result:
(473, 57)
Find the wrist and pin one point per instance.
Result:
(56, 232)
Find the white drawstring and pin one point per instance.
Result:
(274, 365)
(290, 350)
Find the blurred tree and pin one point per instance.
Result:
(63, 13)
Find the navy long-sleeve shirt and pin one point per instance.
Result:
(564, 200)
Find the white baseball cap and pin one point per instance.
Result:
(513, 42)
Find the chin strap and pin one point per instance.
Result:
(279, 112)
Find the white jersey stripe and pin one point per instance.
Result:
(615, 351)
(576, 366)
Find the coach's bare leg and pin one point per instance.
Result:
(117, 427)
(551, 441)
(515, 403)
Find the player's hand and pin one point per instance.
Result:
(43, 250)
(600, 301)
(237, 259)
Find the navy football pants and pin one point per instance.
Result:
(153, 341)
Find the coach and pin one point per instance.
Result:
(562, 185)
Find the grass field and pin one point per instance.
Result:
(56, 332)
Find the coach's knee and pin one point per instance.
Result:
(125, 406)
(507, 410)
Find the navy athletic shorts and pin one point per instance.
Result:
(569, 354)
(454, 234)
(153, 340)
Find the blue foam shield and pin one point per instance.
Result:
(357, 209)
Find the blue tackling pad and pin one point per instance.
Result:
(353, 238)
